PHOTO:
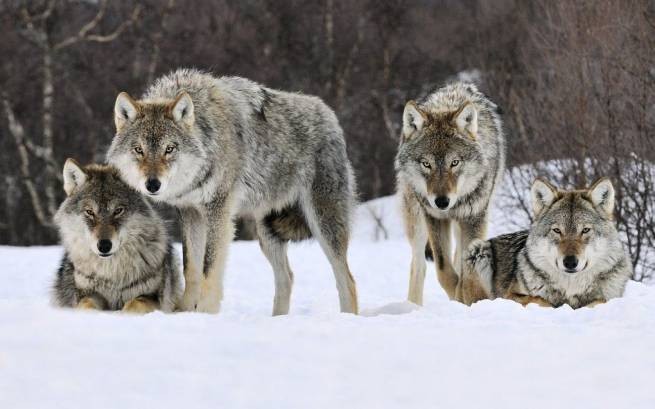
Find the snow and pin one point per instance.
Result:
(395, 354)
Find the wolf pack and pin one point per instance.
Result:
(220, 148)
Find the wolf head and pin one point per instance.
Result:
(100, 212)
(573, 231)
(439, 154)
(154, 148)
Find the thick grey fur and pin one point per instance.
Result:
(246, 150)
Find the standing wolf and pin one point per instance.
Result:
(218, 148)
(571, 254)
(118, 255)
(450, 159)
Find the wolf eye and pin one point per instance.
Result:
(89, 212)
(586, 230)
(556, 230)
(118, 211)
(426, 164)
(170, 149)
(454, 163)
(138, 150)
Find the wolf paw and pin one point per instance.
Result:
(188, 302)
(210, 306)
(88, 303)
(140, 305)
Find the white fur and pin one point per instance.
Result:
(413, 119)
(183, 109)
(542, 195)
(467, 120)
(124, 109)
(602, 196)
(74, 176)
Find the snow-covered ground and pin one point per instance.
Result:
(493, 354)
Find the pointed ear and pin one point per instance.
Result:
(413, 120)
(543, 195)
(125, 109)
(74, 176)
(467, 120)
(602, 195)
(182, 109)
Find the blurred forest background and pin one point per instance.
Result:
(575, 79)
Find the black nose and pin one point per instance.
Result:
(570, 262)
(442, 202)
(153, 185)
(104, 246)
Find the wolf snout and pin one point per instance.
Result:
(442, 202)
(153, 185)
(570, 263)
(104, 247)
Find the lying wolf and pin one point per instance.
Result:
(450, 160)
(571, 254)
(117, 253)
(219, 148)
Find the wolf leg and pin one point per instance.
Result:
(275, 250)
(470, 229)
(140, 305)
(439, 236)
(418, 239)
(219, 237)
(194, 236)
(328, 218)
(477, 273)
(92, 302)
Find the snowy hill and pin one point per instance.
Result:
(494, 354)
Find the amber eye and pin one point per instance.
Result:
(89, 212)
(556, 230)
(586, 230)
(454, 163)
(118, 211)
(426, 164)
(170, 149)
(138, 150)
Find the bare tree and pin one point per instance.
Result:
(37, 29)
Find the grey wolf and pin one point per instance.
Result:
(220, 148)
(117, 252)
(450, 159)
(570, 255)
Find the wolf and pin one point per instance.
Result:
(217, 148)
(570, 255)
(117, 253)
(450, 159)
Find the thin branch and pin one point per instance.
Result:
(83, 34)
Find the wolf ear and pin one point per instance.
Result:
(74, 176)
(467, 120)
(543, 195)
(602, 195)
(413, 119)
(182, 108)
(124, 109)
